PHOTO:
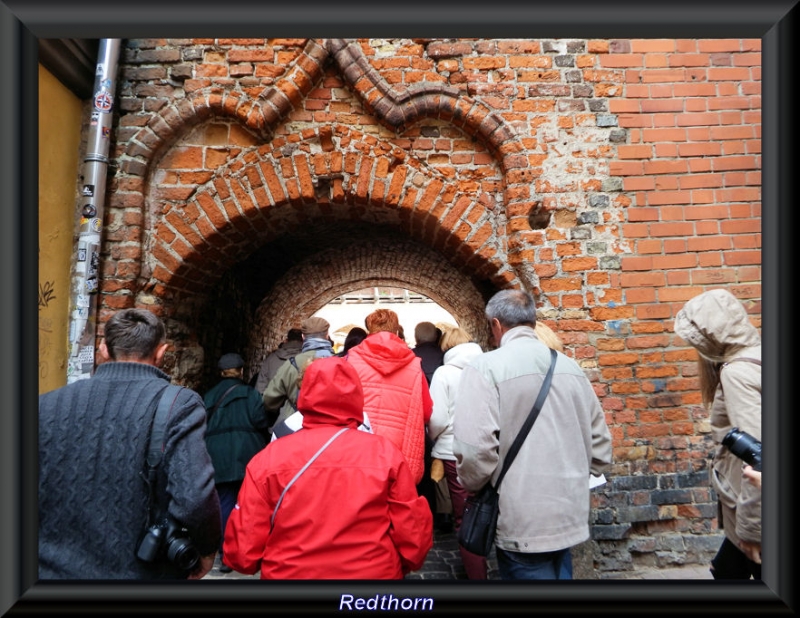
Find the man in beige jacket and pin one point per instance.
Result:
(544, 498)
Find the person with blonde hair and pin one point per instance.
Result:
(728, 346)
(547, 336)
(459, 350)
(396, 394)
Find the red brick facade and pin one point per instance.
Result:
(258, 179)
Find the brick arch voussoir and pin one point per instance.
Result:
(398, 109)
(179, 117)
(369, 171)
(306, 70)
(219, 226)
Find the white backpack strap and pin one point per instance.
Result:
(299, 472)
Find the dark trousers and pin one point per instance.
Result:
(732, 563)
(426, 487)
(228, 494)
(474, 565)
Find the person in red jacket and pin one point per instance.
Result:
(396, 394)
(353, 513)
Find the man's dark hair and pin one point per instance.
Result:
(294, 334)
(134, 333)
(426, 332)
(354, 336)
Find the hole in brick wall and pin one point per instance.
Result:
(539, 219)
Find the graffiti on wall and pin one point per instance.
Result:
(47, 293)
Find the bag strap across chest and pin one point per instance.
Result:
(526, 427)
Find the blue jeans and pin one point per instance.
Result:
(545, 565)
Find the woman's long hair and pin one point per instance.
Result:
(708, 373)
(708, 370)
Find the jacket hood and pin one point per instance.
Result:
(331, 394)
(385, 352)
(716, 324)
(460, 355)
(323, 347)
(289, 349)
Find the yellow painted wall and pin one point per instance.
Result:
(59, 146)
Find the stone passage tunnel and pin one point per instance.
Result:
(256, 180)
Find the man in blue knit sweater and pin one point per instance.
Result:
(93, 441)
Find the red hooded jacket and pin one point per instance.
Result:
(396, 394)
(354, 513)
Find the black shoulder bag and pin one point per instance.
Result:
(479, 522)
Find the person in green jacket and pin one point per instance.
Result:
(237, 429)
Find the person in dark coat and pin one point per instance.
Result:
(289, 348)
(427, 335)
(354, 336)
(93, 439)
(237, 430)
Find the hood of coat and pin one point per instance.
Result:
(331, 394)
(462, 354)
(289, 349)
(716, 324)
(385, 352)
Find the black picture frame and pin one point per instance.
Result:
(23, 22)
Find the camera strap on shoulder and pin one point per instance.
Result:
(156, 447)
(530, 420)
(755, 361)
(158, 430)
(746, 359)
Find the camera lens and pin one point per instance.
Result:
(182, 554)
(744, 446)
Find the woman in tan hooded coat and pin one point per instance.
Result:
(716, 324)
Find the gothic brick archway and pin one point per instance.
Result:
(301, 191)
(324, 176)
(261, 185)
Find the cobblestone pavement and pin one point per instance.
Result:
(444, 562)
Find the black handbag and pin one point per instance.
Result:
(479, 522)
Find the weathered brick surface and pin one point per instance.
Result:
(257, 179)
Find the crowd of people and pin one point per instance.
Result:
(340, 464)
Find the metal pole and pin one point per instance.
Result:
(85, 283)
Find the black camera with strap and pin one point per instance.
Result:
(164, 538)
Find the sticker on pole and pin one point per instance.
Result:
(103, 101)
